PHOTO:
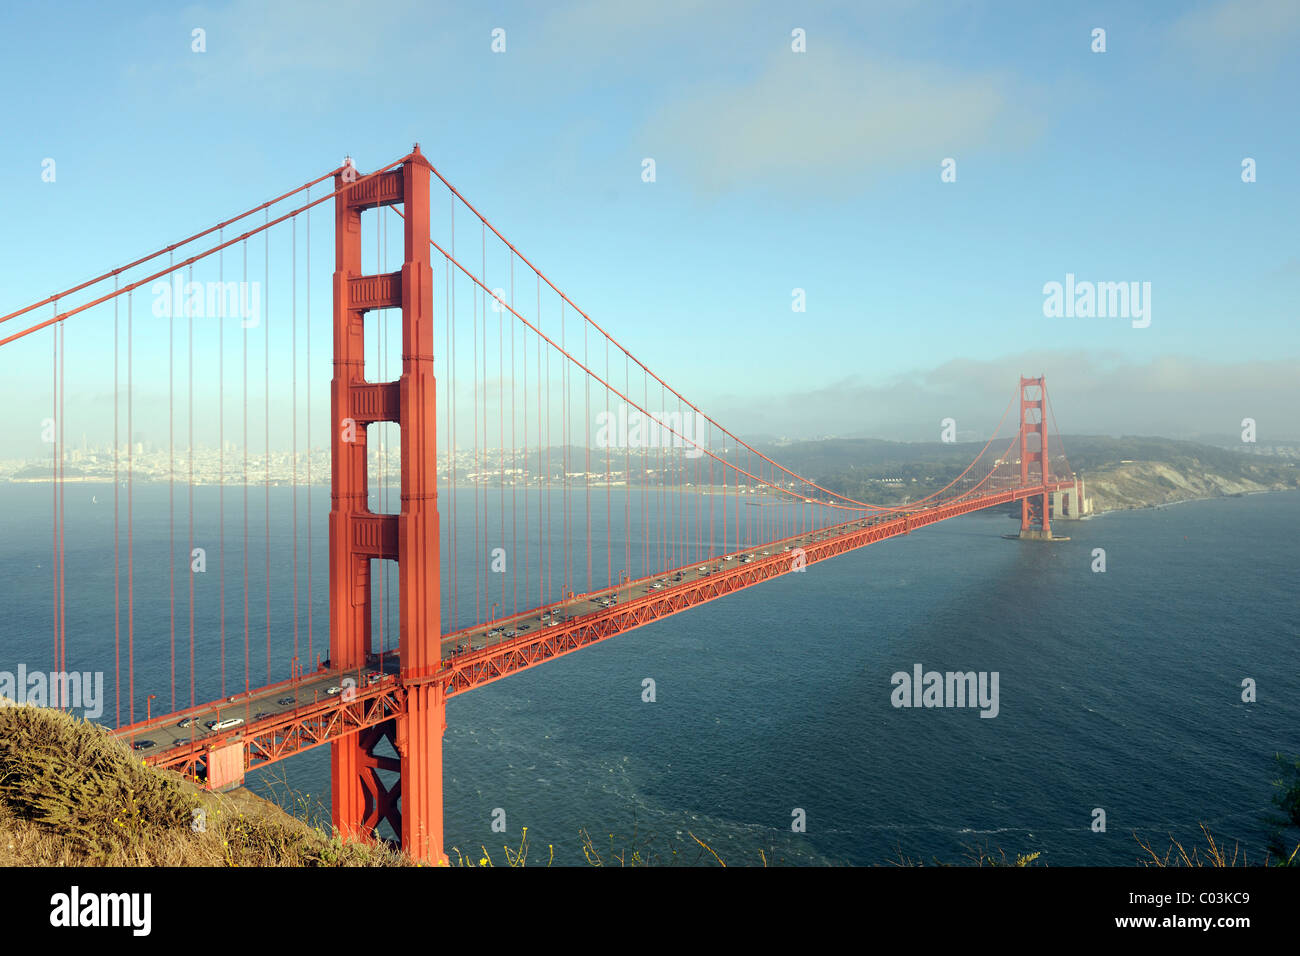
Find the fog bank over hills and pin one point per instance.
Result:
(1097, 393)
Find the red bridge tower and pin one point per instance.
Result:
(1033, 407)
(358, 536)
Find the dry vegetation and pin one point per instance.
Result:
(70, 795)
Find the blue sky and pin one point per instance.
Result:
(775, 170)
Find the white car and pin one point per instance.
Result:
(225, 724)
(335, 689)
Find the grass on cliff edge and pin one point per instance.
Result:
(71, 795)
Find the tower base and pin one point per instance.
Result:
(1034, 534)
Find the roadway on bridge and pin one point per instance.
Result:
(159, 735)
(264, 707)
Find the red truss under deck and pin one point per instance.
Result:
(283, 735)
(500, 660)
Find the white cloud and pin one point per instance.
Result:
(826, 116)
(1240, 35)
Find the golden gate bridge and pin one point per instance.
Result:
(513, 378)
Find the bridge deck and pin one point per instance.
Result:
(283, 719)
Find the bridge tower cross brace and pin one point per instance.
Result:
(357, 536)
(1033, 410)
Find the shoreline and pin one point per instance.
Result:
(1182, 501)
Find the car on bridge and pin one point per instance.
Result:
(225, 724)
(142, 745)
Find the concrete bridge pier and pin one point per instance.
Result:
(1069, 503)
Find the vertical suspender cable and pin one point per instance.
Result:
(244, 324)
(563, 386)
(451, 387)
(449, 296)
(54, 492)
(171, 476)
(309, 448)
(117, 574)
(514, 457)
(479, 602)
(541, 534)
(63, 501)
(221, 451)
(609, 485)
(524, 459)
(293, 360)
(190, 433)
(266, 426)
(484, 461)
(501, 437)
(586, 468)
(627, 475)
(130, 514)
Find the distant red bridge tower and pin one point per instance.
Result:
(1033, 408)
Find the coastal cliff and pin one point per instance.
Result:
(1144, 484)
